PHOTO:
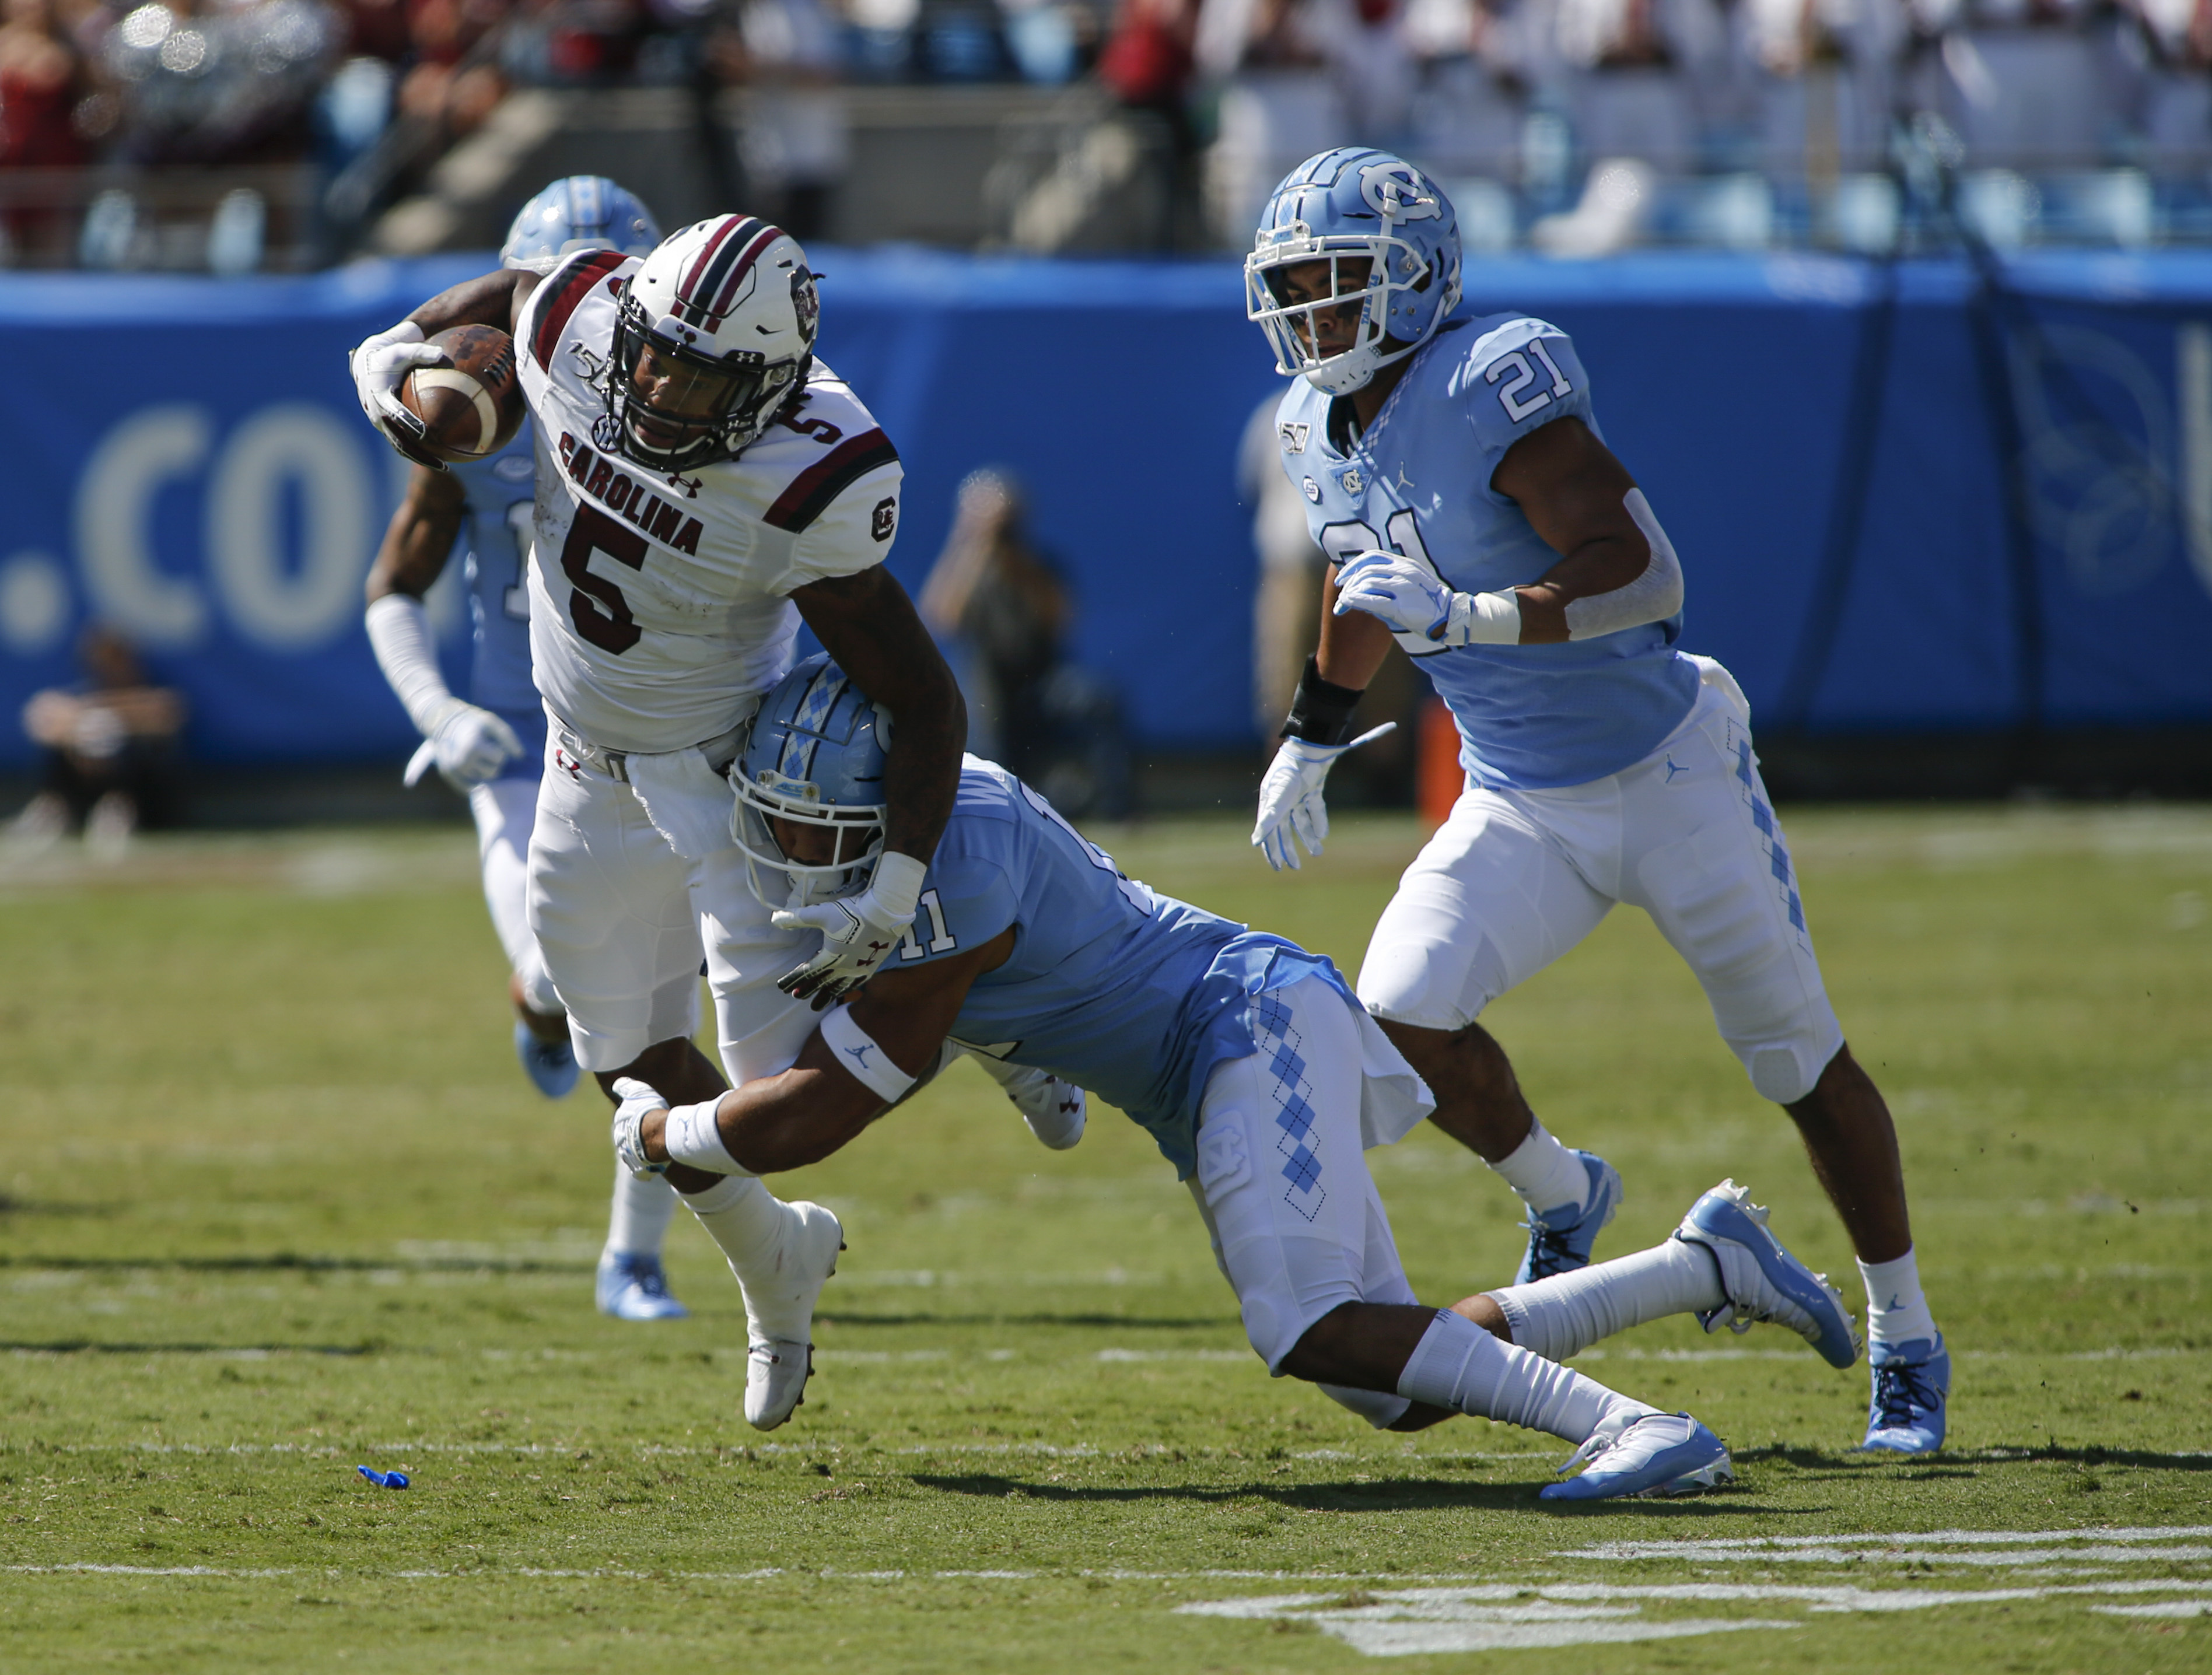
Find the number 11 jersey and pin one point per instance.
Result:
(1530, 718)
(660, 603)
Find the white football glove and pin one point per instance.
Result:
(381, 365)
(638, 1101)
(1422, 610)
(1290, 798)
(468, 746)
(858, 931)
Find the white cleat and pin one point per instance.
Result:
(1055, 1110)
(779, 1315)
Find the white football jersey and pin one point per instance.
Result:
(659, 605)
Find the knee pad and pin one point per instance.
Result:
(1784, 1074)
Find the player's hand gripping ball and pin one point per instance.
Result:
(471, 407)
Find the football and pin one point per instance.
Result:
(466, 409)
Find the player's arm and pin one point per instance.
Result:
(1616, 570)
(468, 746)
(1582, 501)
(381, 362)
(851, 1070)
(871, 631)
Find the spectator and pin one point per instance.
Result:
(44, 79)
(110, 745)
(1003, 603)
(793, 135)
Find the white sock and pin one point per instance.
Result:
(1458, 1365)
(1897, 1312)
(1564, 1315)
(1545, 1174)
(749, 1221)
(642, 1211)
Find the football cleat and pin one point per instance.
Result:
(1911, 1396)
(1055, 1110)
(633, 1286)
(776, 1371)
(779, 1315)
(1763, 1281)
(1650, 1453)
(1559, 1239)
(550, 1065)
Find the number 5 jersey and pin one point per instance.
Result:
(659, 604)
(1418, 481)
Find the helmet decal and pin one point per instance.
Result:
(814, 704)
(1395, 191)
(710, 290)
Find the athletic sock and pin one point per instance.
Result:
(748, 1222)
(1564, 1315)
(1545, 1174)
(1458, 1365)
(1897, 1311)
(642, 1211)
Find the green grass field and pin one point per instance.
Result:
(277, 1202)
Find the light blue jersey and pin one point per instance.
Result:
(495, 542)
(1132, 995)
(1530, 717)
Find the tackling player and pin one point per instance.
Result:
(1454, 470)
(703, 483)
(490, 746)
(1251, 1065)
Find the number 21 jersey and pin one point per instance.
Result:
(1530, 718)
(660, 604)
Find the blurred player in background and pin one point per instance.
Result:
(1453, 471)
(1248, 1061)
(705, 483)
(490, 746)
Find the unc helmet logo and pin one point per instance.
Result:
(1396, 191)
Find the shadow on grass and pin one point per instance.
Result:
(1088, 1318)
(249, 1351)
(1405, 1495)
(1831, 1465)
(284, 1261)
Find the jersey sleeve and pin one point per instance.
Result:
(1517, 377)
(967, 899)
(853, 526)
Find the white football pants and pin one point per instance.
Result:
(1298, 1226)
(1515, 878)
(621, 918)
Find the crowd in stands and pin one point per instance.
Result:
(1576, 125)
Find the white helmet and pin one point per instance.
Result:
(714, 333)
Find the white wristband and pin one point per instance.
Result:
(897, 882)
(399, 633)
(692, 1135)
(860, 1053)
(1485, 619)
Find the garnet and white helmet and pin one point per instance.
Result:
(582, 212)
(1391, 241)
(715, 332)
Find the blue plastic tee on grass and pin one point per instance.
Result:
(383, 1479)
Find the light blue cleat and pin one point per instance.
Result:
(1654, 1453)
(550, 1065)
(1559, 1240)
(1911, 1396)
(633, 1287)
(1763, 1281)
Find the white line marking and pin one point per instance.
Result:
(1173, 1355)
(1776, 1545)
(2166, 1608)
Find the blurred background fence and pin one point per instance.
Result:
(1901, 309)
(1913, 506)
